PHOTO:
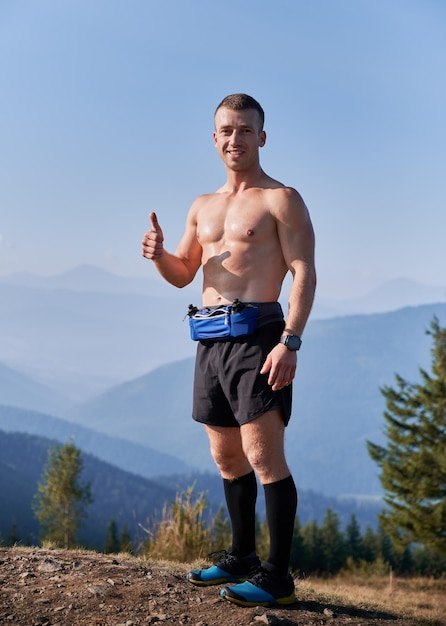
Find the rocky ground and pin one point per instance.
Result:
(40, 587)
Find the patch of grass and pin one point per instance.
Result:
(181, 533)
(420, 599)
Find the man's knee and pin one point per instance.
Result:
(230, 463)
(259, 459)
(268, 462)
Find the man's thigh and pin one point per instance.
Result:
(263, 444)
(227, 451)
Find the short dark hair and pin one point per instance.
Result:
(242, 102)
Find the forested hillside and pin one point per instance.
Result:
(129, 499)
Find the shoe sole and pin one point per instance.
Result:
(217, 581)
(291, 599)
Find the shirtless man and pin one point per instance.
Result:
(247, 236)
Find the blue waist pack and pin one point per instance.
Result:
(220, 323)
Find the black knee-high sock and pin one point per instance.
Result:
(281, 505)
(241, 496)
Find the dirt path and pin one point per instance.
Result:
(41, 587)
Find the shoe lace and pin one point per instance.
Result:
(217, 554)
(223, 557)
(260, 575)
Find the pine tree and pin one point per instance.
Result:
(333, 545)
(13, 535)
(371, 545)
(413, 465)
(297, 556)
(112, 544)
(312, 557)
(59, 504)
(125, 540)
(353, 540)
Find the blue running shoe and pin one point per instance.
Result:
(264, 588)
(227, 569)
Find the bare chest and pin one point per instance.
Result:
(232, 222)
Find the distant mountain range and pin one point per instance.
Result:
(91, 279)
(86, 330)
(18, 389)
(81, 342)
(129, 456)
(390, 296)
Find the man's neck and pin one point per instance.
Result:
(239, 181)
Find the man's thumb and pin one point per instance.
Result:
(154, 221)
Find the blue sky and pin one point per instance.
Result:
(106, 114)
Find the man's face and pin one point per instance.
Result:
(238, 137)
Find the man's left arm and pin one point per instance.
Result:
(297, 242)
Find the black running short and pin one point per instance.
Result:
(228, 388)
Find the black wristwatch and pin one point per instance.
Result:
(292, 342)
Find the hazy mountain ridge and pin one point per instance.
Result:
(155, 407)
(18, 389)
(88, 278)
(86, 330)
(128, 456)
(390, 296)
(92, 339)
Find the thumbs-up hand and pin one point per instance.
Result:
(152, 243)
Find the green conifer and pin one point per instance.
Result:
(353, 540)
(312, 557)
(333, 544)
(125, 540)
(59, 504)
(371, 545)
(111, 544)
(413, 465)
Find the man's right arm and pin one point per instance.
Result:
(180, 268)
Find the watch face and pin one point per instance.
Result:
(293, 342)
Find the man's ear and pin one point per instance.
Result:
(262, 138)
(214, 135)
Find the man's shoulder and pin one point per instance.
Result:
(281, 189)
(283, 193)
(203, 199)
(277, 188)
(286, 202)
